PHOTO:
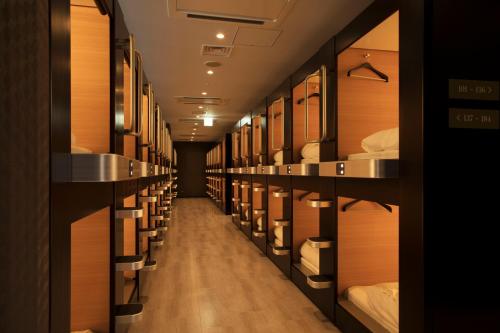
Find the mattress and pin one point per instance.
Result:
(310, 151)
(307, 264)
(378, 155)
(309, 160)
(380, 302)
(310, 254)
(278, 233)
(80, 150)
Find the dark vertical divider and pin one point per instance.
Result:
(24, 166)
(191, 163)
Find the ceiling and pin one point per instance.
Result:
(261, 58)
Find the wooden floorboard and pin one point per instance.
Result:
(211, 278)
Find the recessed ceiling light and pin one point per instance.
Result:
(210, 72)
(204, 93)
(207, 121)
(220, 35)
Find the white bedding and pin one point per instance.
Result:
(309, 266)
(310, 151)
(278, 233)
(278, 242)
(380, 302)
(382, 140)
(278, 158)
(309, 160)
(310, 254)
(378, 155)
(259, 223)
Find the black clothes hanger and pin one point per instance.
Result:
(348, 205)
(367, 65)
(301, 100)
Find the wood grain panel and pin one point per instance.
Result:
(305, 221)
(366, 106)
(274, 132)
(90, 79)
(257, 140)
(129, 229)
(129, 141)
(90, 251)
(368, 244)
(145, 127)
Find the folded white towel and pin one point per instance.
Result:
(381, 140)
(310, 150)
(311, 254)
(278, 233)
(309, 266)
(259, 223)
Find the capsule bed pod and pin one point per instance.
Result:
(245, 188)
(313, 240)
(259, 211)
(259, 136)
(279, 222)
(278, 131)
(90, 134)
(311, 111)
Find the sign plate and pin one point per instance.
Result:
(474, 118)
(474, 90)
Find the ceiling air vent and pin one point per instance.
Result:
(216, 50)
(231, 19)
(199, 100)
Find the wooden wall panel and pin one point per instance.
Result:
(368, 244)
(90, 276)
(366, 106)
(257, 140)
(128, 140)
(305, 221)
(90, 79)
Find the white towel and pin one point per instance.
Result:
(381, 140)
(278, 242)
(278, 158)
(310, 254)
(310, 150)
(309, 266)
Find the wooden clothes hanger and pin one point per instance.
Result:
(367, 65)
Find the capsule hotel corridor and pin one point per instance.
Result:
(222, 282)
(267, 166)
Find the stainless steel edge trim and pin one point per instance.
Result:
(149, 268)
(320, 243)
(245, 223)
(318, 284)
(245, 185)
(245, 204)
(128, 318)
(148, 232)
(360, 169)
(129, 266)
(259, 189)
(156, 217)
(156, 192)
(320, 203)
(147, 199)
(101, 168)
(299, 169)
(128, 213)
(259, 211)
(281, 194)
(259, 234)
(281, 223)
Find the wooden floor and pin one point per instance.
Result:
(211, 278)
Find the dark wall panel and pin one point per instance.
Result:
(191, 159)
(24, 166)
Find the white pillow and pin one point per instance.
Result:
(381, 140)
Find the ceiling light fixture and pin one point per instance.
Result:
(207, 121)
(210, 72)
(204, 93)
(220, 35)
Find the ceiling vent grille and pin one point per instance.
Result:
(199, 100)
(216, 50)
(224, 18)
